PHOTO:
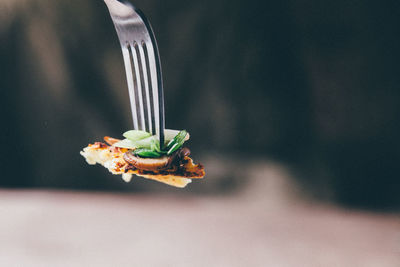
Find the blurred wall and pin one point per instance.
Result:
(313, 84)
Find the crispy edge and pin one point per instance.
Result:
(119, 166)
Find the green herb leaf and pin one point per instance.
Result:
(146, 142)
(135, 135)
(148, 145)
(170, 144)
(126, 143)
(146, 153)
(170, 134)
(155, 145)
(181, 135)
(177, 142)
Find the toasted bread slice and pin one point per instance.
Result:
(111, 157)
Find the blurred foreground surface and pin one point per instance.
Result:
(53, 228)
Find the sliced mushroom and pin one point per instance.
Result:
(156, 164)
(147, 164)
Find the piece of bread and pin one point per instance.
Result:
(111, 157)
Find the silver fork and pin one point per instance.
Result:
(142, 66)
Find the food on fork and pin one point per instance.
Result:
(140, 153)
(160, 157)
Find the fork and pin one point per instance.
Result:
(142, 66)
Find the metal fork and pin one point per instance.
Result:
(142, 66)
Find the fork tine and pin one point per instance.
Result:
(145, 84)
(157, 96)
(129, 78)
(138, 87)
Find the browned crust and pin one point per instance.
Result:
(186, 169)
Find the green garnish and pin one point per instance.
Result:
(173, 148)
(126, 143)
(146, 145)
(135, 135)
(155, 145)
(146, 142)
(146, 153)
(177, 142)
(170, 134)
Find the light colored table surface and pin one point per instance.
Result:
(52, 228)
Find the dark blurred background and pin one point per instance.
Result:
(311, 85)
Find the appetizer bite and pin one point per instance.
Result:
(140, 153)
